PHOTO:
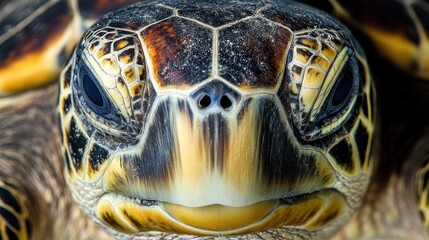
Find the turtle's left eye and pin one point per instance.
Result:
(335, 101)
(344, 88)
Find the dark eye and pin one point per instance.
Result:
(93, 94)
(92, 91)
(344, 88)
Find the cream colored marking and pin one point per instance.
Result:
(107, 81)
(314, 78)
(307, 98)
(296, 75)
(294, 89)
(109, 65)
(106, 207)
(342, 118)
(230, 24)
(154, 218)
(124, 60)
(215, 52)
(423, 194)
(330, 81)
(218, 217)
(283, 64)
(168, 7)
(258, 11)
(242, 153)
(194, 181)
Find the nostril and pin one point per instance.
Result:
(225, 102)
(205, 101)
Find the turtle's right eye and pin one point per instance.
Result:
(93, 95)
(92, 91)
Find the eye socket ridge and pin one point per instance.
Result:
(346, 86)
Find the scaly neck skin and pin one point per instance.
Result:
(390, 209)
(31, 160)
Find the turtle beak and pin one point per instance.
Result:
(235, 159)
(204, 169)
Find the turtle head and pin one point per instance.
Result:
(178, 121)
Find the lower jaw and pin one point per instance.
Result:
(309, 212)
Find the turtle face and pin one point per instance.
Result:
(220, 119)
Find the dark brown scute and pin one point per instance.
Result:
(180, 51)
(252, 53)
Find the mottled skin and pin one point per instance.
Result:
(51, 190)
(45, 201)
(399, 34)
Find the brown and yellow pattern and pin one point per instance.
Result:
(14, 216)
(200, 126)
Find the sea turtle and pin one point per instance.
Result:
(192, 119)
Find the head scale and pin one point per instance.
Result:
(208, 119)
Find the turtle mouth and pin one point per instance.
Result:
(133, 215)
